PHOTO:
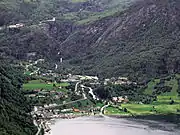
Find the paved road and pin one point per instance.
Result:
(35, 123)
(76, 87)
(102, 109)
(38, 127)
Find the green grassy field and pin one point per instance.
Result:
(150, 87)
(99, 104)
(145, 109)
(115, 111)
(98, 16)
(138, 109)
(27, 73)
(177, 76)
(174, 84)
(40, 84)
(161, 106)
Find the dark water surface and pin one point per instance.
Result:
(113, 126)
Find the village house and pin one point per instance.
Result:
(32, 95)
(88, 77)
(52, 91)
(76, 110)
(16, 26)
(106, 81)
(50, 20)
(120, 99)
(52, 105)
(122, 80)
(74, 78)
(37, 90)
(44, 92)
(67, 110)
(41, 96)
(97, 108)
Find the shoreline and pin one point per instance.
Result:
(47, 124)
(171, 118)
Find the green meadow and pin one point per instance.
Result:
(40, 84)
(163, 105)
(146, 109)
(115, 111)
(150, 86)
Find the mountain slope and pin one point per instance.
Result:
(43, 37)
(140, 41)
(144, 40)
(14, 109)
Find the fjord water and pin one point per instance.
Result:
(112, 126)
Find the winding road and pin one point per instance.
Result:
(76, 87)
(90, 91)
(102, 109)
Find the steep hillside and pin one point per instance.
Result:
(40, 35)
(141, 41)
(99, 37)
(14, 109)
(32, 11)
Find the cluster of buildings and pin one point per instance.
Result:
(42, 112)
(16, 26)
(119, 80)
(77, 78)
(46, 93)
(120, 99)
(21, 25)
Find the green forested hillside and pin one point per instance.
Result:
(142, 42)
(32, 11)
(14, 109)
(99, 37)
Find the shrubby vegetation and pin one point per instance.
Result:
(179, 87)
(133, 92)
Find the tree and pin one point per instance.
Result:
(75, 97)
(103, 92)
(125, 110)
(172, 102)
(54, 85)
(79, 104)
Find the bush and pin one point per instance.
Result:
(125, 110)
